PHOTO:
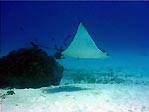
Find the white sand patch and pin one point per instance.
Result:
(79, 98)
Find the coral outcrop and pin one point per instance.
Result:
(29, 68)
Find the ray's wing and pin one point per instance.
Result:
(83, 46)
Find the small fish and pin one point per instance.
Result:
(68, 36)
(34, 45)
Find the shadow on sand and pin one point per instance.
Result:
(64, 89)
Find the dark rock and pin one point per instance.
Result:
(10, 92)
(29, 68)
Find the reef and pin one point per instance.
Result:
(29, 68)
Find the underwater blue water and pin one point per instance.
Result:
(116, 27)
(119, 28)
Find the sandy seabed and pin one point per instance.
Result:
(79, 98)
(130, 96)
